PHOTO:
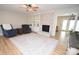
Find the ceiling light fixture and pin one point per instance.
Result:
(30, 7)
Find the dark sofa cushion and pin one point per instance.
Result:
(76, 35)
(10, 33)
(74, 40)
(26, 28)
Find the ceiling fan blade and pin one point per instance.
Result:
(35, 7)
(35, 10)
(24, 6)
(30, 7)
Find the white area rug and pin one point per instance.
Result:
(34, 44)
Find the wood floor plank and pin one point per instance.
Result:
(7, 48)
(59, 50)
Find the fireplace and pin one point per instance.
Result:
(45, 28)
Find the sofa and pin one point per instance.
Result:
(74, 39)
(9, 31)
(73, 48)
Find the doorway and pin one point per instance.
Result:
(65, 24)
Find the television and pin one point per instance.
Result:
(45, 28)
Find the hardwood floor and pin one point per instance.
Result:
(7, 48)
(59, 50)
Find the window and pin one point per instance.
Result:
(64, 26)
(71, 24)
(77, 26)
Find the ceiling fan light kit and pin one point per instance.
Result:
(30, 7)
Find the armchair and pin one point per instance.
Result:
(8, 30)
(26, 28)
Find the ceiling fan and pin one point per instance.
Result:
(30, 7)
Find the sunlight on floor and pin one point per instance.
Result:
(63, 37)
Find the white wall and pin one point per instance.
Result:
(45, 18)
(50, 17)
(14, 18)
(8, 17)
(0, 31)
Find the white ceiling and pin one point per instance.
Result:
(42, 7)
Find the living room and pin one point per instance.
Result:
(42, 23)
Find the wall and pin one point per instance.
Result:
(44, 18)
(14, 18)
(47, 18)
(9, 17)
(0, 31)
(50, 17)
